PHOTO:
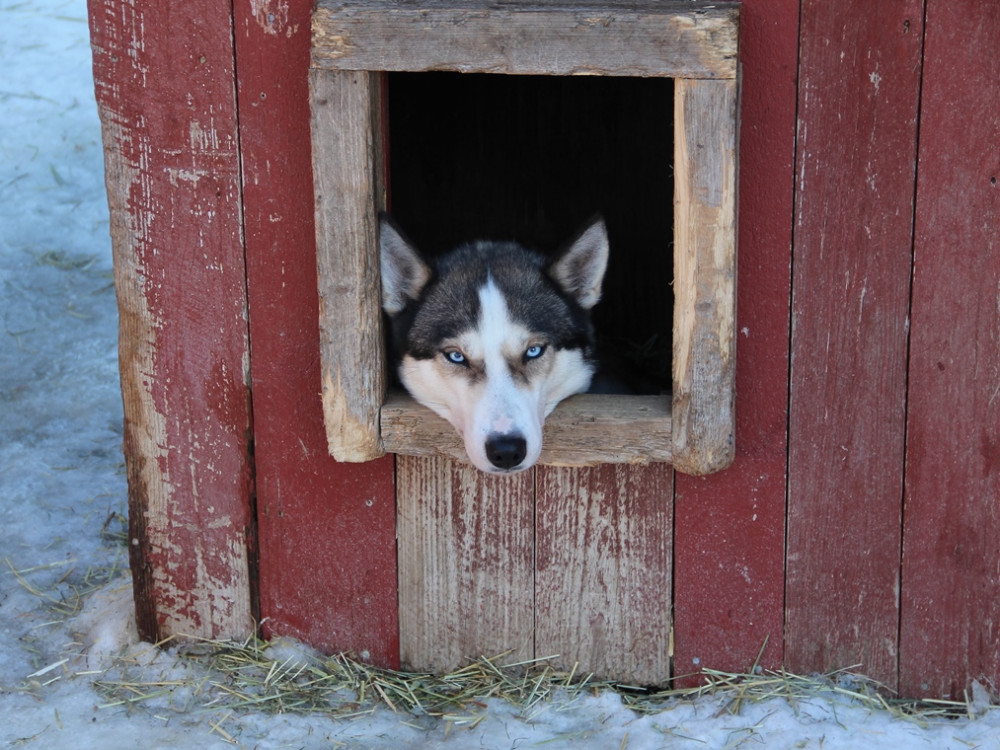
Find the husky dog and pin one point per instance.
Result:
(491, 336)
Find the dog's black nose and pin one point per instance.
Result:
(506, 451)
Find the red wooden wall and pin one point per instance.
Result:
(174, 186)
(855, 153)
(950, 592)
(729, 528)
(326, 530)
(859, 523)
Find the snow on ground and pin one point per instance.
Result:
(65, 608)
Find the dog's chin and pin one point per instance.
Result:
(494, 471)
(477, 457)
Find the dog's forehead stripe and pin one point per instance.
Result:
(498, 336)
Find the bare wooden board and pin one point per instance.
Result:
(950, 628)
(465, 564)
(583, 430)
(167, 107)
(347, 146)
(853, 256)
(678, 39)
(603, 570)
(704, 341)
(326, 530)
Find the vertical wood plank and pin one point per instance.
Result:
(465, 564)
(167, 106)
(603, 570)
(859, 91)
(347, 169)
(729, 527)
(326, 529)
(704, 340)
(950, 630)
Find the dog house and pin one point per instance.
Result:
(856, 525)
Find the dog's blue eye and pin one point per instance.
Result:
(534, 352)
(455, 356)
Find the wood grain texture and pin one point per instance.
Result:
(584, 430)
(729, 527)
(704, 341)
(603, 570)
(347, 169)
(327, 570)
(677, 39)
(853, 257)
(465, 564)
(167, 107)
(950, 629)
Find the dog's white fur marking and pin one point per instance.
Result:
(504, 407)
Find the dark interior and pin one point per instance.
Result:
(532, 158)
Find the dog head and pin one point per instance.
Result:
(492, 336)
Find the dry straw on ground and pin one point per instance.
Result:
(245, 676)
(197, 676)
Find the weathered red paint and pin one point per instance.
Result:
(326, 530)
(950, 629)
(729, 527)
(859, 84)
(168, 113)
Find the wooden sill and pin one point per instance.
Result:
(584, 430)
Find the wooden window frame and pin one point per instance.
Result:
(695, 43)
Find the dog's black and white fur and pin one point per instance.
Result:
(492, 336)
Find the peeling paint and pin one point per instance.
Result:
(203, 138)
(177, 176)
(184, 444)
(273, 16)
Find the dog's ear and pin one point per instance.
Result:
(404, 272)
(580, 269)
